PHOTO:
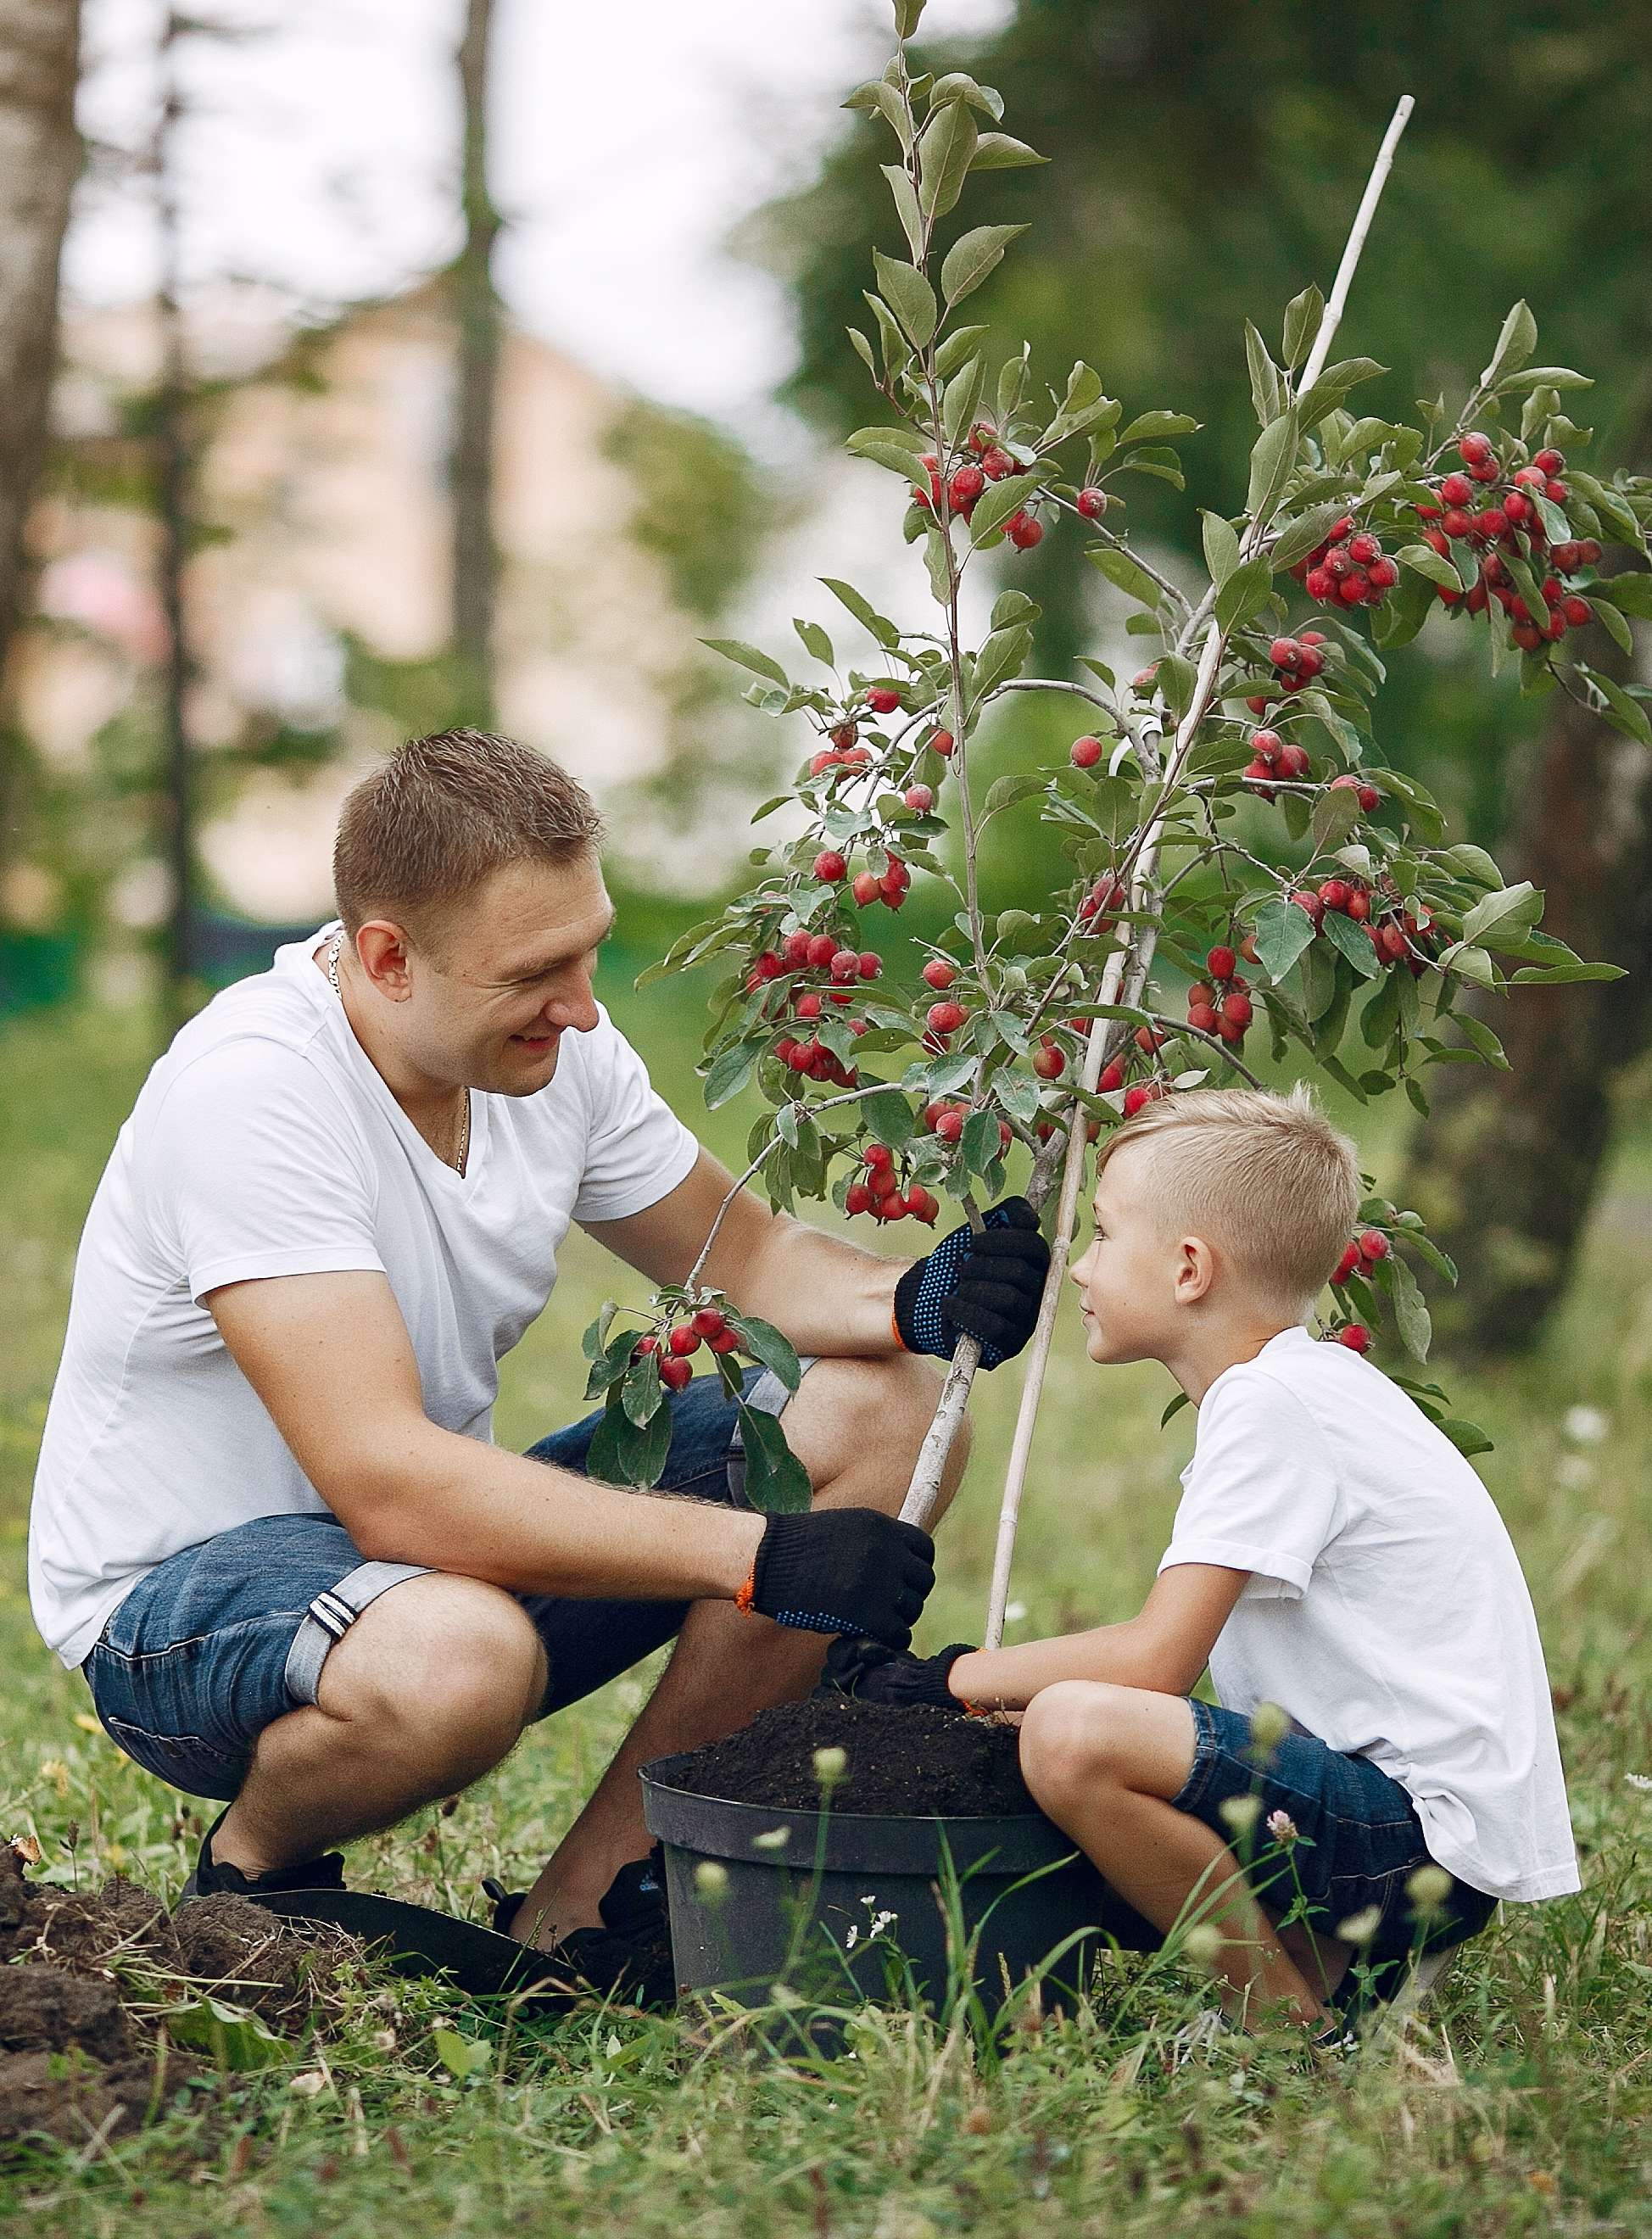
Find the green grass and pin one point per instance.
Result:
(1519, 2103)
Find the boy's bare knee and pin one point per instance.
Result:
(1065, 1745)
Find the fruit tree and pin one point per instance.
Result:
(1232, 864)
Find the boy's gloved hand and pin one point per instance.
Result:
(873, 1674)
(986, 1287)
(843, 1570)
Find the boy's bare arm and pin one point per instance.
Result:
(1164, 1647)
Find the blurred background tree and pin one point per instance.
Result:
(1203, 164)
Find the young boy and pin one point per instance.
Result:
(1335, 1561)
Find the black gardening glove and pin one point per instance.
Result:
(873, 1674)
(986, 1286)
(843, 1570)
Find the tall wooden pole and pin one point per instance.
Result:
(173, 501)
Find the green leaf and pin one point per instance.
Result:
(878, 98)
(998, 151)
(906, 15)
(1468, 862)
(1173, 1407)
(1299, 537)
(1244, 595)
(1615, 624)
(1221, 547)
(958, 346)
(1282, 932)
(995, 505)
(1176, 679)
(1467, 1437)
(230, 2035)
(641, 1395)
(1119, 568)
(944, 153)
(621, 1453)
(889, 1118)
(776, 1482)
(956, 85)
(815, 639)
(908, 295)
(864, 612)
(1472, 964)
(905, 197)
(1564, 975)
(1302, 316)
(1332, 387)
(1017, 785)
(963, 400)
(980, 1141)
(1411, 1314)
(764, 1343)
(1502, 918)
(1266, 389)
(1631, 593)
(1152, 427)
(1425, 561)
(748, 656)
(1335, 814)
(1514, 344)
(729, 1072)
(1620, 712)
(1543, 376)
(1270, 462)
(1353, 941)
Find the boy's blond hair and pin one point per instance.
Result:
(1264, 1178)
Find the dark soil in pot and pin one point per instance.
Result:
(899, 1761)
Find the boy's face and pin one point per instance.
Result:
(1133, 1275)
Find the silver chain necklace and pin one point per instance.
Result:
(334, 948)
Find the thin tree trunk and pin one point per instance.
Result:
(174, 496)
(39, 161)
(476, 314)
(1505, 1168)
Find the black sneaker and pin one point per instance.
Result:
(629, 1956)
(214, 1878)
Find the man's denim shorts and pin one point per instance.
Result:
(221, 1639)
(1353, 1842)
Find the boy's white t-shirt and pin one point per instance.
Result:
(265, 1143)
(1386, 1611)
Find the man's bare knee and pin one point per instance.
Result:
(443, 1668)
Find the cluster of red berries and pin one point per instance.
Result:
(1107, 895)
(963, 486)
(1397, 935)
(709, 1326)
(946, 1118)
(1272, 757)
(1507, 516)
(847, 971)
(880, 1192)
(1221, 1005)
(1362, 1255)
(888, 886)
(1348, 567)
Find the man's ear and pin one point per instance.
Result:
(1195, 1270)
(381, 950)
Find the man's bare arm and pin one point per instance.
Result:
(826, 1295)
(1165, 1646)
(330, 1358)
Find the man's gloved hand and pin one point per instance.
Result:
(842, 1570)
(873, 1674)
(985, 1287)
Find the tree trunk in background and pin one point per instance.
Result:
(1505, 1168)
(39, 160)
(174, 496)
(476, 315)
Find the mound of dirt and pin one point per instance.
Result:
(899, 1760)
(85, 1975)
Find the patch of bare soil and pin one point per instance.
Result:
(85, 1978)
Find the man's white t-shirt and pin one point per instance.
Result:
(1386, 1611)
(265, 1143)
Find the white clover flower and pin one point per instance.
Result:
(1014, 1612)
(711, 1879)
(1429, 1888)
(1282, 1827)
(773, 1838)
(1241, 1812)
(1360, 1927)
(1573, 1473)
(1639, 1779)
(1268, 1726)
(1201, 1945)
(1585, 1427)
(830, 1764)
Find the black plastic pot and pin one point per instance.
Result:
(842, 1907)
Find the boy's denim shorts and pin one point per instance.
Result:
(221, 1639)
(1355, 1841)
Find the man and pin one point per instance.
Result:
(269, 1524)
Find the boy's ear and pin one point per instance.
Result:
(1195, 1270)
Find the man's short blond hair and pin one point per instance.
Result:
(1264, 1178)
(418, 836)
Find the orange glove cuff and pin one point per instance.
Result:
(744, 1597)
(894, 1330)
